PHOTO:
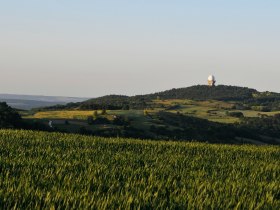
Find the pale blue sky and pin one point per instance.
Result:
(93, 48)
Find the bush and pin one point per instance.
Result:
(103, 112)
(235, 114)
(90, 120)
(95, 114)
(261, 108)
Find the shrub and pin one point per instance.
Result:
(235, 114)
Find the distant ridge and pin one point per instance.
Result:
(42, 98)
(35, 101)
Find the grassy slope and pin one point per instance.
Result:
(61, 115)
(212, 110)
(43, 170)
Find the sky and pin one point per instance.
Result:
(90, 48)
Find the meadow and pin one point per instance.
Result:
(211, 110)
(41, 170)
(79, 115)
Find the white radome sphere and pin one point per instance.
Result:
(211, 78)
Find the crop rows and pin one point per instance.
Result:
(41, 170)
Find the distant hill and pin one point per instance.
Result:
(204, 92)
(198, 92)
(227, 114)
(27, 102)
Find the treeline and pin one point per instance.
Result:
(263, 125)
(265, 101)
(110, 102)
(204, 92)
(176, 126)
(10, 118)
(183, 127)
(116, 102)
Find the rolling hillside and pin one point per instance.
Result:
(198, 92)
(221, 114)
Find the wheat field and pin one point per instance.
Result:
(41, 170)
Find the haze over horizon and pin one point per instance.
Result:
(94, 48)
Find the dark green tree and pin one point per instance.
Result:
(103, 112)
(90, 120)
(9, 118)
(95, 114)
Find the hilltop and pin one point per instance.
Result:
(204, 92)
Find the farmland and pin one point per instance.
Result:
(210, 109)
(54, 170)
(81, 115)
(177, 119)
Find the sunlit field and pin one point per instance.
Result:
(60, 171)
(80, 115)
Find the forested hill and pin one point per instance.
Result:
(204, 92)
(198, 92)
(110, 101)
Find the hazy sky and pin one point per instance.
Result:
(92, 48)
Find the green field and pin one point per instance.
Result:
(77, 118)
(79, 115)
(62, 171)
(151, 123)
(211, 110)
